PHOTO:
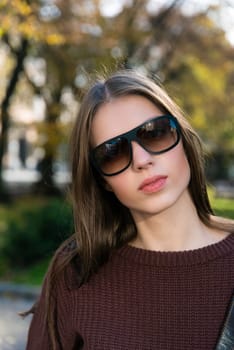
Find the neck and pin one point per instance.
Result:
(175, 229)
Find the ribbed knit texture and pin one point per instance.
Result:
(142, 300)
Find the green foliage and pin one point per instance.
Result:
(222, 206)
(32, 230)
(31, 275)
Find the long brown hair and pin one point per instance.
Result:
(102, 223)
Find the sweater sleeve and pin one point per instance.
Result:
(38, 335)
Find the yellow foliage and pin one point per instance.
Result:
(19, 18)
(22, 7)
(6, 23)
(55, 39)
(199, 119)
(3, 3)
(27, 29)
(210, 78)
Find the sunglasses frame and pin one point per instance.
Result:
(130, 136)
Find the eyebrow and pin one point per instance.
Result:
(131, 130)
(136, 127)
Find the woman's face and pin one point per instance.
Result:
(152, 183)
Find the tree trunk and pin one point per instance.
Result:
(20, 56)
(46, 185)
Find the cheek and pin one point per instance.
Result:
(181, 164)
(119, 185)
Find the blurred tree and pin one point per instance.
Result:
(201, 76)
(192, 57)
(20, 54)
(19, 25)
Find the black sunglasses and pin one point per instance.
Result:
(156, 136)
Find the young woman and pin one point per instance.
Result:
(150, 266)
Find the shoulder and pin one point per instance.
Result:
(66, 264)
(64, 270)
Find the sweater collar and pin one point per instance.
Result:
(180, 258)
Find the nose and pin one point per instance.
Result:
(141, 159)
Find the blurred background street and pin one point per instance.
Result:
(13, 329)
(14, 299)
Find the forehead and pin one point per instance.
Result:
(120, 115)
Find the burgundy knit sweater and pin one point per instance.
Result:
(143, 300)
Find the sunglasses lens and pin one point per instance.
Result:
(159, 135)
(155, 136)
(113, 156)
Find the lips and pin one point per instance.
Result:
(153, 184)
